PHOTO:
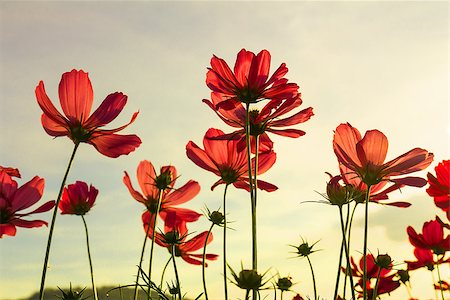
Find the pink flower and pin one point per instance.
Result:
(223, 158)
(432, 237)
(269, 119)
(250, 82)
(76, 97)
(439, 187)
(77, 198)
(365, 157)
(175, 234)
(14, 199)
(151, 184)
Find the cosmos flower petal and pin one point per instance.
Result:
(76, 95)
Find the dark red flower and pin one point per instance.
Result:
(176, 233)
(444, 285)
(250, 82)
(432, 237)
(223, 158)
(386, 282)
(365, 157)
(77, 198)
(76, 97)
(10, 171)
(269, 119)
(424, 259)
(151, 184)
(439, 187)
(14, 199)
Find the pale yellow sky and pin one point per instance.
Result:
(380, 65)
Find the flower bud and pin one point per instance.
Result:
(284, 284)
(217, 217)
(383, 261)
(403, 276)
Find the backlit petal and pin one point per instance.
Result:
(107, 111)
(114, 145)
(76, 95)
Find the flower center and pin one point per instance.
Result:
(247, 95)
(81, 208)
(228, 175)
(255, 128)
(5, 216)
(79, 134)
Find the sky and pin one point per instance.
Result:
(377, 65)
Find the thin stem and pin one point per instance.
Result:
(375, 290)
(281, 298)
(52, 225)
(408, 289)
(252, 197)
(439, 277)
(176, 272)
(434, 280)
(313, 278)
(247, 294)
(204, 261)
(225, 283)
(94, 289)
(140, 264)
(153, 242)
(163, 272)
(336, 287)
(349, 232)
(366, 227)
(347, 255)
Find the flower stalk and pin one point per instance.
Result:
(204, 261)
(347, 254)
(176, 271)
(366, 226)
(52, 224)
(94, 289)
(158, 207)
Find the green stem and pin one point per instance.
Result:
(52, 225)
(347, 254)
(313, 278)
(281, 298)
(349, 231)
(434, 280)
(135, 297)
(252, 197)
(439, 277)
(94, 289)
(164, 271)
(204, 261)
(225, 283)
(247, 294)
(375, 290)
(341, 252)
(366, 227)
(176, 271)
(149, 296)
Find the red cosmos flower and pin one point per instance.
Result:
(250, 82)
(14, 199)
(439, 187)
(10, 171)
(151, 184)
(378, 192)
(266, 120)
(432, 237)
(76, 97)
(365, 157)
(77, 198)
(175, 233)
(223, 158)
(424, 259)
(386, 283)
